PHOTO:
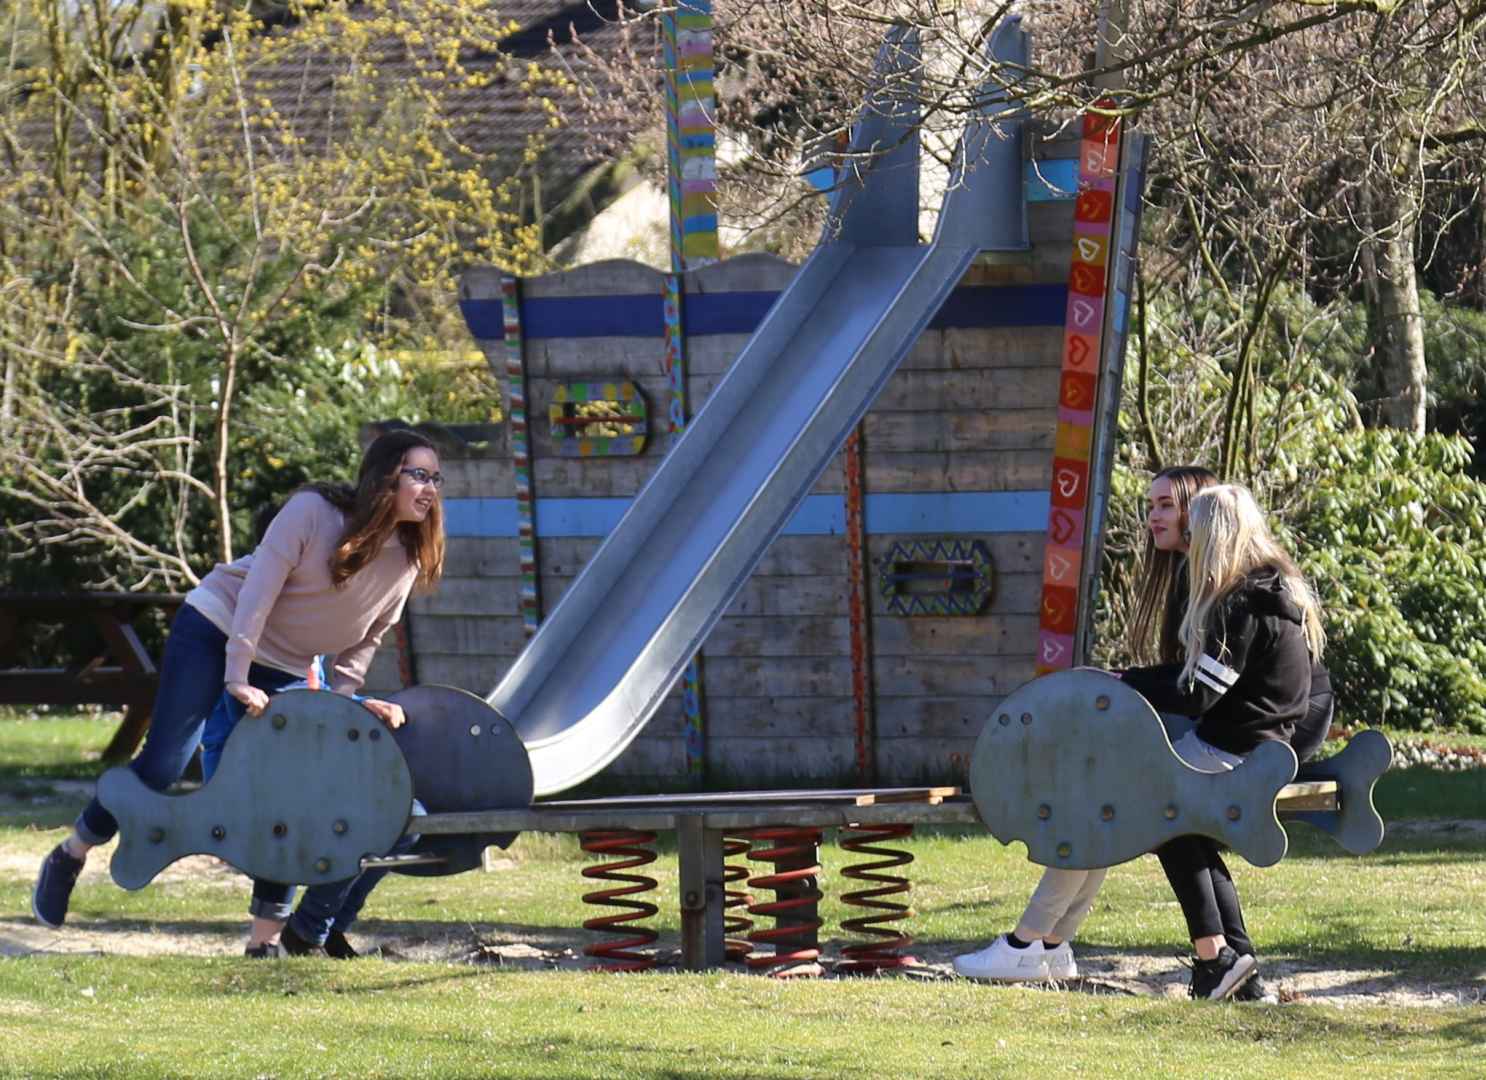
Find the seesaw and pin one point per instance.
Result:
(1079, 767)
(1076, 765)
(316, 786)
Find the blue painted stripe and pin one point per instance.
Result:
(946, 513)
(953, 512)
(640, 315)
(821, 179)
(1051, 181)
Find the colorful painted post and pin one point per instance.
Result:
(691, 147)
(691, 137)
(861, 646)
(1078, 392)
(526, 530)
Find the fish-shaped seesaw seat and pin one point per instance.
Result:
(1079, 767)
(317, 784)
(465, 757)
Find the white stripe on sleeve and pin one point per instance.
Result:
(1208, 681)
(1218, 670)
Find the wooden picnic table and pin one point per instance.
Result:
(123, 674)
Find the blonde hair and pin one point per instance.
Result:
(1158, 574)
(1230, 539)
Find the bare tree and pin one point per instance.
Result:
(186, 182)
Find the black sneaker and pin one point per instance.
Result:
(338, 948)
(1220, 978)
(53, 889)
(294, 945)
(1253, 989)
(269, 950)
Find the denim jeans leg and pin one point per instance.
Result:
(229, 712)
(335, 905)
(219, 725)
(191, 671)
(271, 900)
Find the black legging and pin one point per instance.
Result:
(1204, 888)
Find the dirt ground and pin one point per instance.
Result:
(1103, 971)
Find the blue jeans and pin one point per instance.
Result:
(191, 673)
(323, 908)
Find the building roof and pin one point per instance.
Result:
(495, 121)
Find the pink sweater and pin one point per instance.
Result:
(278, 607)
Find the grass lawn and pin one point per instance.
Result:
(1376, 945)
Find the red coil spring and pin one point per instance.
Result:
(794, 909)
(874, 956)
(735, 927)
(634, 848)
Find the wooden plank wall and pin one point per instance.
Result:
(970, 410)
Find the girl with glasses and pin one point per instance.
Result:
(329, 577)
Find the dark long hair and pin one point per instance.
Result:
(1160, 575)
(370, 509)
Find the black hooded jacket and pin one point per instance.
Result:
(1254, 679)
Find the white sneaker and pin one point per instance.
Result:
(999, 962)
(1060, 963)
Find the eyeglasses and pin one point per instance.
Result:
(423, 476)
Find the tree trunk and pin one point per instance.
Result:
(221, 483)
(1398, 327)
(1400, 345)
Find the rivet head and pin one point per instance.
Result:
(1026, 718)
(1234, 813)
(1171, 811)
(1004, 719)
(157, 835)
(475, 729)
(1101, 702)
(1044, 812)
(1106, 812)
(339, 828)
(1065, 850)
(218, 833)
(280, 829)
(353, 734)
(278, 721)
(322, 866)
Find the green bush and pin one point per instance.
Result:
(1394, 538)
(1390, 528)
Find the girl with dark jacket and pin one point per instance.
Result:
(1251, 640)
(1038, 948)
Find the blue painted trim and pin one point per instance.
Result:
(944, 513)
(1051, 181)
(726, 313)
(640, 315)
(951, 513)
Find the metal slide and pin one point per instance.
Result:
(603, 661)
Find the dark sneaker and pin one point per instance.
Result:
(269, 950)
(1254, 989)
(53, 889)
(1220, 978)
(338, 948)
(294, 945)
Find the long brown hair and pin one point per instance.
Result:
(1160, 572)
(370, 509)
